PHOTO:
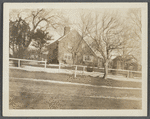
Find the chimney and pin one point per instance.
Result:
(66, 30)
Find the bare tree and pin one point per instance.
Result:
(41, 19)
(107, 33)
(85, 21)
(134, 16)
(63, 22)
(134, 20)
(133, 45)
(82, 32)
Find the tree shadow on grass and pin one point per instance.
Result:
(25, 99)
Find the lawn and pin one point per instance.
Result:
(28, 94)
(70, 78)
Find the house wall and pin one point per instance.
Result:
(69, 39)
(72, 40)
(127, 65)
(62, 47)
(85, 51)
(52, 56)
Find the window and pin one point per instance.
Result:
(67, 56)
(87, 58)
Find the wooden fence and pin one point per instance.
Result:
(20, 62)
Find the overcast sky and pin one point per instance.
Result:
(72, 14)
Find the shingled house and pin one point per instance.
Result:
(71, 48)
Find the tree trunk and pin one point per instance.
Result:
(20, 52)
(39, 55)
(73, 60)
(13, 50)
(76, 59)
(40, 51)
(105, 69)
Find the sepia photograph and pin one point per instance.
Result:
(75, 59)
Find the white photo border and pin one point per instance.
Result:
(44, 112)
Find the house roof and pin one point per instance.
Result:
(71, 30)
(87, 41)
(59, 39)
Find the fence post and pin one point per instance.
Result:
(45, 63)
(75, 71)
(83, 69)
(128, 74)
(59, 66)
(19, 63)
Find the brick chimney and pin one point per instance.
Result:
(66, 30)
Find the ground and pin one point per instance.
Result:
(41, 90)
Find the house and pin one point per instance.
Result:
(71, 48)
(128, 63)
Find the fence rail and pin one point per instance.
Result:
(73, 67)
(25, 60)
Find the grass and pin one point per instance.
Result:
(26, 94)
(70, 78)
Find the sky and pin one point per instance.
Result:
(72, 14)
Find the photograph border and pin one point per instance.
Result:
(43, 112)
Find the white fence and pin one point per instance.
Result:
(23, 62)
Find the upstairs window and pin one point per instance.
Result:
(68, 56)
(88, 58)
